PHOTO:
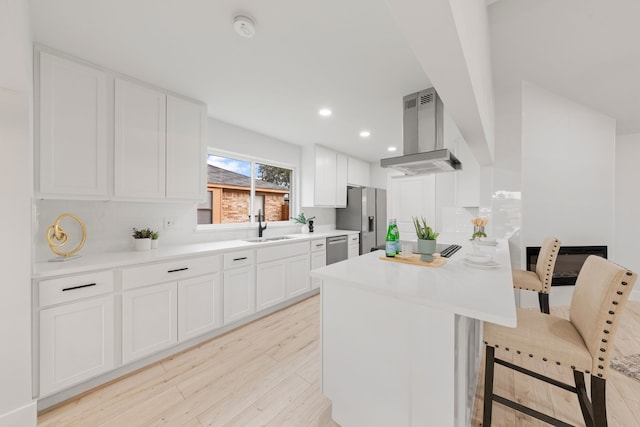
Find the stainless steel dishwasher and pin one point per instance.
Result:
(336, 249)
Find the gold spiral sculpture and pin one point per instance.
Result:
(57, 233)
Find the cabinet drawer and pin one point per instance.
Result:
(318, 245)
(136, 277)
(239, 259)
(354, 239)
(282, 251)
(65, 289)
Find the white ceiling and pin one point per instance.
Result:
(348, 56)
(585, 50)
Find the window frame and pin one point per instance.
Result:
(253, 160)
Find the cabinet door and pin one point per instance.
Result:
(298, 276)
(353, 250)
(325, 177)
(271, 284)
(358, 172)
(140, 138)
(318, 259)
(186, 145)
(199, 305)
(149, 321)
(72, 129)
(341, 180)
(76, 343)
(239, 294)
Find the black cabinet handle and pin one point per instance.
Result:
(78, 287)
(178, 269)
(240, 259)
(319, 245)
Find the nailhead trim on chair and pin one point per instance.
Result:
(602, 368)
(546, 283)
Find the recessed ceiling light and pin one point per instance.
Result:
(391, 149)
(365, 134)
(325, 112)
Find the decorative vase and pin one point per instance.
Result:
(478, 229)
(142, 244)
(426, 248)
(154, 243)
(305, 228)
(310, 223)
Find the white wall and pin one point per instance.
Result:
(567, 173)
(16, 405)
(109, 223)
(627, 205)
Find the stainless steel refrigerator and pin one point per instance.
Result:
(366, 211)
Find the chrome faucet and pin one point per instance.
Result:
(260, 227)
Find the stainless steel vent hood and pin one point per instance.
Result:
(423, 142)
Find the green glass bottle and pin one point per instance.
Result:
(390, 241)
(396, 233)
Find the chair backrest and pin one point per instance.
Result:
(547, 262)
(601, 291)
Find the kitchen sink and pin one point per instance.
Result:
(268, 239)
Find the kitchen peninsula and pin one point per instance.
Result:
(401, 343)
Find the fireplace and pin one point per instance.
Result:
(569, 262)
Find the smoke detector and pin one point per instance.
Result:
(244, 26)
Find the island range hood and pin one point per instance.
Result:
(423, 143)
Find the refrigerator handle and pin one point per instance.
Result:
(371, 224)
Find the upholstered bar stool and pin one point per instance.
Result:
(540, 280)
(582, 343)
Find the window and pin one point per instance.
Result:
(238, 189)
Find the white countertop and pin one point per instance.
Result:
(108, 260)
(484, 294)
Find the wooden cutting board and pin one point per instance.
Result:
(415, 260)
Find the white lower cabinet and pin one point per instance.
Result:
(271, 284)
(149, 320)
(353, 248)
(199, 306)
(76, 343)
(282, 273)
(76, 329)
(318, 259)
(297, 276)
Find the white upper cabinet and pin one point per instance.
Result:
(72, 137)
(186, 149)
(140, 139)
(358, 173)
(158, 145)
(324, 177)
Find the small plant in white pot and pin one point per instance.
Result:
(154, 239)
(306, 222)
(426, 239)
(142, 239)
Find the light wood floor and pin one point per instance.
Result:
(267, 373)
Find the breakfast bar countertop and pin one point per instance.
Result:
(475, 292)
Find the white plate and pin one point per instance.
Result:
(479, 258)
(485, 266)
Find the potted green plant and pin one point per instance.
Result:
(154, 239)
(142, 239)
(426, 238)
(307, 223)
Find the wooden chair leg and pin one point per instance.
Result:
(599, 401)
(488, 386)
(583, 398)
(543, 300)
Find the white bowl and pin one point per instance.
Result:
(479, 258)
